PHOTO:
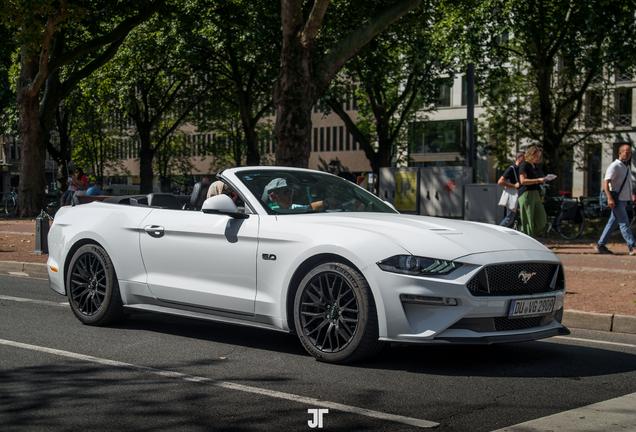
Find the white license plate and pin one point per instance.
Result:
(533, 307)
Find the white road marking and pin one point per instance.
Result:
(18, 274)
(228, 385)
(593, 341)
(28, 300)
(611, 415)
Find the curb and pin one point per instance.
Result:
(599, 321)
(31, 268)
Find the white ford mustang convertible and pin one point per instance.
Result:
(303, 251)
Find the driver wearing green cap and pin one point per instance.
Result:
(278, 195)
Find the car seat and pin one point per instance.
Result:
(164, 200)
(199, 195)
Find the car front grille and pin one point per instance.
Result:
(518, 278)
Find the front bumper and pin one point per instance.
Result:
(474, 319)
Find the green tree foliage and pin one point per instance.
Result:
(8, 112)
(316, 44)
(61, 43)
(157, 82)
(396, 78)
(241, 44)
(95, 135)
(545, 80)
(173, 159)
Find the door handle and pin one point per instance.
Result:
(155, 231)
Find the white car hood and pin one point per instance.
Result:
(420, 235)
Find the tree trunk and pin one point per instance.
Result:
(294, 101)
(146, 156)
(298, 87)
(31, 190)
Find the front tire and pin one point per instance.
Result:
(92, 288)
(335, 315)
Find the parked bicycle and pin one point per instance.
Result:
(9, 201)
(566, 216)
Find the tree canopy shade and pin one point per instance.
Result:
(397, 75)
(241, 44)
(308, 64)
(542, 60)
(7, 94)
(61, 43)
(157, 82)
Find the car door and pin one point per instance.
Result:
(201, 259)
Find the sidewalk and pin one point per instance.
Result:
(600, 289)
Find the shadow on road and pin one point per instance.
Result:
(528, 359)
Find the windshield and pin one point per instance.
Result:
(285, 192)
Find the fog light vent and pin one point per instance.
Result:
(426, 300)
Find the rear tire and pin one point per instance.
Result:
(92, 288)
(335, 315)
(9, 205)
(570, 228)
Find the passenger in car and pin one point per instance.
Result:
(218, 188)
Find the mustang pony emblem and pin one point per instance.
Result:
(525, 276)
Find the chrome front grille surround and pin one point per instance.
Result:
(517, 278)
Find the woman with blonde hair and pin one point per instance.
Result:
(533, 217)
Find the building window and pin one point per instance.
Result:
(444, 99)
(438, 143)
(624, 76)
(335, 138)
(341, 138)
(322, 139)
(502, 38)
(348, 144)
(328, 139)
(315, 139)
(623, 100)
(594, 109)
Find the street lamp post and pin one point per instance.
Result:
(470, 116)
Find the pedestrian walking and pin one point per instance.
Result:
(617, 186)
(510, 196)
(533, 217)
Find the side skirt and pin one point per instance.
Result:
(258, 322)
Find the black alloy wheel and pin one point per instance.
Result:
(92, 288)
(335, 315)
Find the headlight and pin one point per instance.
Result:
(417, 266)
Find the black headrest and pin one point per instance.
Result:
(199, 194)
(125, 199)
(165, 200)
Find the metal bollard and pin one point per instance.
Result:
(41, 236)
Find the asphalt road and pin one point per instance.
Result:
(162, 373)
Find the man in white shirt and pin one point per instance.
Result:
(618, 175)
